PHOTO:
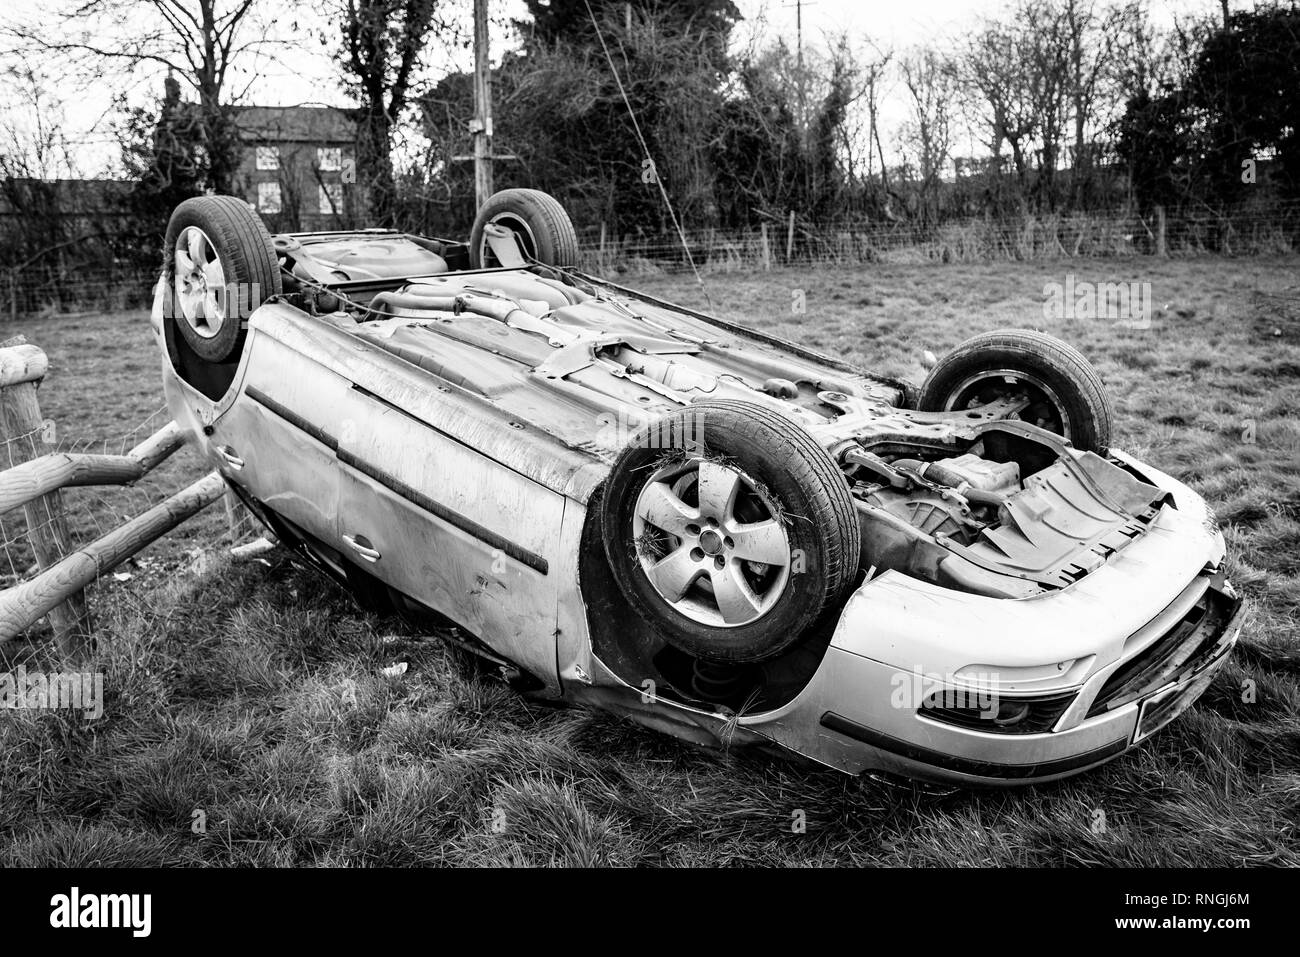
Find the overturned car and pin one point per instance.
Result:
(711, 530)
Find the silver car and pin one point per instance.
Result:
(713, 531)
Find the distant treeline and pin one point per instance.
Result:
(1084, 112)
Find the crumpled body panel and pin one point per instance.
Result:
(1068, 520)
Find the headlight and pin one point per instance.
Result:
(1018, 679)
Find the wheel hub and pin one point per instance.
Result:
(200, 282)
(711, 542)
(1044, 407)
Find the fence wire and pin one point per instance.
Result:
(108, 287)
(1273, 228)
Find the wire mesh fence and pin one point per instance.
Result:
(1272, 228)
(100, 288)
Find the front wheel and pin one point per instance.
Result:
(1059, 389)
(730, 530)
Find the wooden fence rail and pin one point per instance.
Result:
(34, 483)
(37, 477)
(23, 604)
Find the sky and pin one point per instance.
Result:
(308, 76)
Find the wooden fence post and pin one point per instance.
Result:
(789, 239)
(767, 250)
(22, 367)
(1161, 247)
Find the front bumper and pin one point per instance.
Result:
(939, 751)
(1120, 653)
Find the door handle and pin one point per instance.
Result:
(361, 545)
(231, 459)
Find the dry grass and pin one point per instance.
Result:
(256, 693)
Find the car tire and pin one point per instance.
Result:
(1067, 395)
(537, 218)
(768, 541)
(217, 243)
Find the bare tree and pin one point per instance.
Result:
(1096, 44)
(381, 50)
(1047, 80)
(864, 75)
(874, 80)
(1045, 47)
(198, 41)
(995, 85)
(1142, 56)
(929, 79)
(33, 144)
(1019, 70)
(34, 156)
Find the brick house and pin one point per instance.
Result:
(297, 165)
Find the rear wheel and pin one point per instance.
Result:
(1059, 389)
(220, 266)
(536, 218)
(730, 530)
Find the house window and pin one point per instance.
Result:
(268, 157)
(268, 197)
(329, 158)
(331, 198)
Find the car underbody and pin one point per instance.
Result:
(1017, 608)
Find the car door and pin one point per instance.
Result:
(277, 440)
(435, 518)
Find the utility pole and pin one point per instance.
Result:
(798, 32)
(482, 125)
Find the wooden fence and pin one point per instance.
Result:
(34, 483)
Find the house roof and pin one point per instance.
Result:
(294, 124)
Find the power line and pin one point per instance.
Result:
(646, 149)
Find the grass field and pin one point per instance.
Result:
(254, 693)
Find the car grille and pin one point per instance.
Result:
(1188, 644)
